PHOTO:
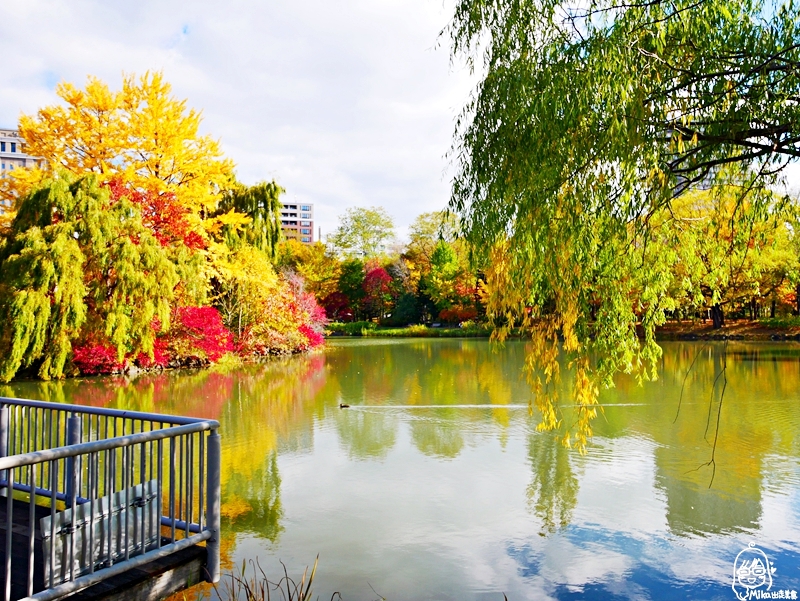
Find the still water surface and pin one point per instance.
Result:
(435, 484)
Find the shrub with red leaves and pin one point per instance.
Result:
(377, 290)
(314, 338)
(458, 314)
(93, 359)
(160, 358)
(198, 333)
(337, 307)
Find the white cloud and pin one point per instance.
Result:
(344, 103)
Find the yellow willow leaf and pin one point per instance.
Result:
(233, 218)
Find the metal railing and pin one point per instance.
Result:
(98, 492)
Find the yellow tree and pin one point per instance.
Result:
(140, 134)
(720, 267)
(315, 263)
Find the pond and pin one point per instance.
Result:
(435, 484)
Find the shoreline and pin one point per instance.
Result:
(771, 330)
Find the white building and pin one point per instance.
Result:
(297, 222)
(12, 155)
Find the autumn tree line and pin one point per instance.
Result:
(363, 273)
(729, 255)
(131, 245)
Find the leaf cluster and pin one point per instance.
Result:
(589, 120)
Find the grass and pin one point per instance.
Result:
(355, 328)
(790, 321)
(371, 329)
(242, 585)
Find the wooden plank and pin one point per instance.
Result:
(153, 582)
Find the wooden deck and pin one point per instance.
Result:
(155, 581)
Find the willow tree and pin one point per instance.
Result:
(262, 205)
(589, 119)
(78, 265)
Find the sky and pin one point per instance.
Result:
(346, 103)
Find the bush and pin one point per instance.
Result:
(161, 356)
(93, 359)
(355, 328)
(198, 334)
(458, 314)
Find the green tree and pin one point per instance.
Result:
(351, 283)
(439, 284)
(77, 265)
(363, 232)
(588, 120)
(262, 204)
(720, 267)
(427, 229)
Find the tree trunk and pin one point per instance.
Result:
(772, 309)
(797, 297)
(717, 317)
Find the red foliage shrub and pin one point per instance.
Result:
(314, 338)
(337, 307)
(376, 290)
(93, 359)
(198, 333)
(458, 314)
(160, 358)
(377, 281)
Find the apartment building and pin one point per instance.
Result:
(12, 155)
(297, 222)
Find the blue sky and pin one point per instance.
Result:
(346, 103)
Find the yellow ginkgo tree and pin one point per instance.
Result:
(140, 134)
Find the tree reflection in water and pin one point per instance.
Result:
(553, 491)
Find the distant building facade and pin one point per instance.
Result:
(297, 222)
(12, 152)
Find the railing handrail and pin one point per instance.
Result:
(141, 415)
(84, 448)
(78, 473)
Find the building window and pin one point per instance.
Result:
(13, 147)
(2, 146)
(306, 239)
(305, 208)
(305, 223)
(305, 216)
(304, 231)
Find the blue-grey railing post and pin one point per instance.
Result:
(214, 450)
(4, 413)
(74, 436)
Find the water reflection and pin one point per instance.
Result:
(553, 491)
(366, 435)
(436, 484)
